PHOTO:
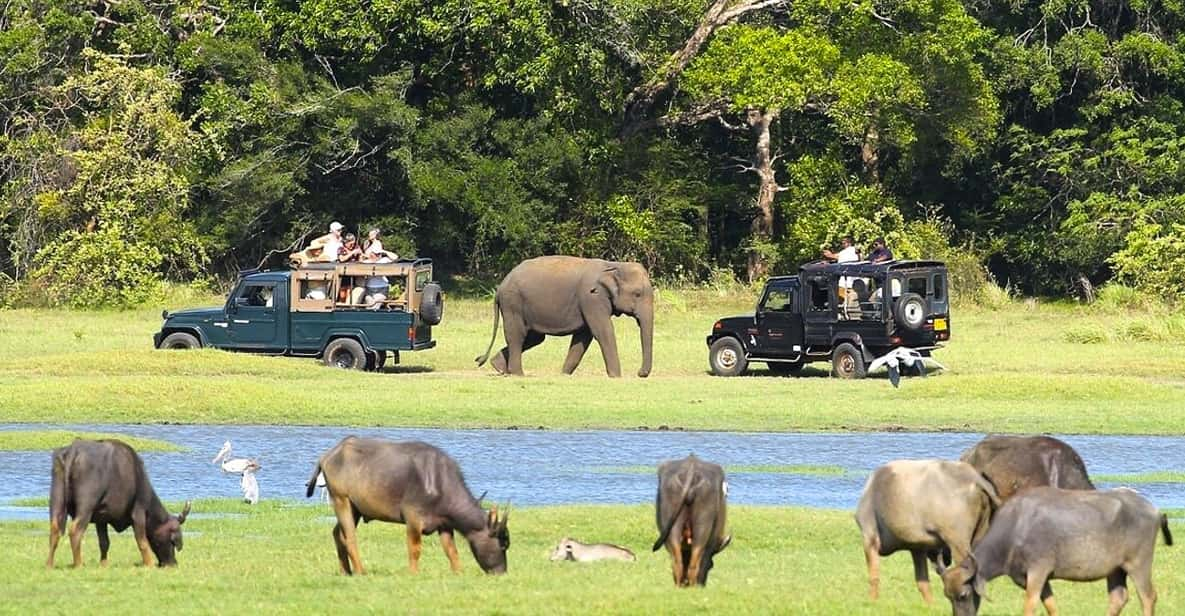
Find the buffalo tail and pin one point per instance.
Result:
(670, 523)
(1164, 528)
(493, 335)
(312, 484)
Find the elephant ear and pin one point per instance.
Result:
(610, 279)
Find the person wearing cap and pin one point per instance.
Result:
(330, 243)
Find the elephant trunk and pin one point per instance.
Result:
(646, 326)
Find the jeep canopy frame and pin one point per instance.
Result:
(408, 275)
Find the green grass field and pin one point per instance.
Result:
(279, 558)
(1024, 368)
(39, 440)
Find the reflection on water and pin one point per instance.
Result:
(529, 467)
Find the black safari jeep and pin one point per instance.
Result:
(321, 310)
(837, 312)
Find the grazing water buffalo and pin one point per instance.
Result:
(571, 549)
(103, 482)
(1048, 533)
(410, 483)
(691, 512)
(924, 506)
(1013, 463)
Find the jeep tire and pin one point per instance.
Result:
(727, 358)
(180, 340)
(847, 362)
(910, 311)
(345, 353)
(431, 304)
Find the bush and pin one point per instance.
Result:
(1119, 297)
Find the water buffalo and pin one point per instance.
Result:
(104, 482)
(924, 506)
(690, 510)
(409, 483)
(1013, 463)
(571, 549)
(1048, 533)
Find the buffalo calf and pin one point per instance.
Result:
(414, 484)
(571, 549)
(690, 509)
(924, 506)
(103, 482)
(1048, 533)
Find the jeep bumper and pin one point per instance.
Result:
(156, 338)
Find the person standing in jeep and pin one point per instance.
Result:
(847, 251)
(880, 252)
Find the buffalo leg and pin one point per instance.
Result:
(1117, 591)
(343, 555)
(1047, 599)
(1142, 578)
(56, 523)
(104, 542)
(139, 528)
(580, 343)
(450, 550)
(695, 564)
(873, 558)
(676, 547)
(349, 533)
(77, 530)
(921, 575)
(415, 543)
(1035, 584)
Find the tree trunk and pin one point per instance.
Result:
(870, 154)
(639, 102)
(762, 227)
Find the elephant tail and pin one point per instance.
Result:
(493, 335)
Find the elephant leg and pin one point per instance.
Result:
(510, 359)
(580, 342)
(602, 330)
(531, 340)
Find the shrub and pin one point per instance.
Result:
(1119, 297)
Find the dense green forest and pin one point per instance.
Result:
(147, 141)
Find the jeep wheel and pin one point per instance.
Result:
(727, 358)
(345, 353)
(783, 368)
(180, 340)
(910, 311)
(847, 362)
(431, 304)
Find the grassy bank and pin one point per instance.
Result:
(1022, 368)
(41, 440)
(280, 558)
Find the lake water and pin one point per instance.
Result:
(533, 467)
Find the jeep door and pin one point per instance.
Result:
(252, 315)
(779, 324)
(817, 309)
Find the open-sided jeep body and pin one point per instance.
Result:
(836, 312)
(320, 311)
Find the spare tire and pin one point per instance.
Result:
(431, 304)
(910, 311)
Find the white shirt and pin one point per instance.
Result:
(333, 246)
(847, 254)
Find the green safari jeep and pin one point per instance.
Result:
(323, 310)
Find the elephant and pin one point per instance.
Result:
(560, 296)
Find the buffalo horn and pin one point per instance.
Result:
(184, 513)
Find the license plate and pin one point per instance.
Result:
(939, 324)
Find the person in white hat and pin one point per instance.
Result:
(330, 243)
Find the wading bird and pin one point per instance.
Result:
(246, 467)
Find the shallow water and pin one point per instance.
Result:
(530, 467)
